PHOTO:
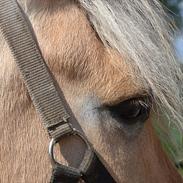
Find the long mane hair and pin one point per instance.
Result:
(139, 30)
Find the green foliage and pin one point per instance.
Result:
(172, 140)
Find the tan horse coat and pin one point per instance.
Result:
(87, 74)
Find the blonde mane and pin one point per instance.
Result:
(139, 30)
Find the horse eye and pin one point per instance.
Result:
(131, 111)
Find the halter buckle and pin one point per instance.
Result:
(87, 159)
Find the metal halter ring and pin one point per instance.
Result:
(87, 159)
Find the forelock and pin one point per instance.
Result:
(139, 30)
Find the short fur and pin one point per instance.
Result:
(134, 58)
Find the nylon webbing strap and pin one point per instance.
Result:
(35, 73)
(45, 94)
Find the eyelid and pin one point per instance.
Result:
(144, 100)
(135, 95)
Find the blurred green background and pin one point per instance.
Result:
(175, 11)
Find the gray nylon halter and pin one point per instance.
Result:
(46, 96)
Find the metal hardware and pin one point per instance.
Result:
(86, 159)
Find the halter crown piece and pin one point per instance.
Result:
(47, 97)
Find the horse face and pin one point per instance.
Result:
(113, 109)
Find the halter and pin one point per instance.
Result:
(47, 97)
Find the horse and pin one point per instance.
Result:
(116, 66)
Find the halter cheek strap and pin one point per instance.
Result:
(47, 97)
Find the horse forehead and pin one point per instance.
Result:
(73, 49)
(115, 83)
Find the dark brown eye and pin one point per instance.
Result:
(131, 111)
